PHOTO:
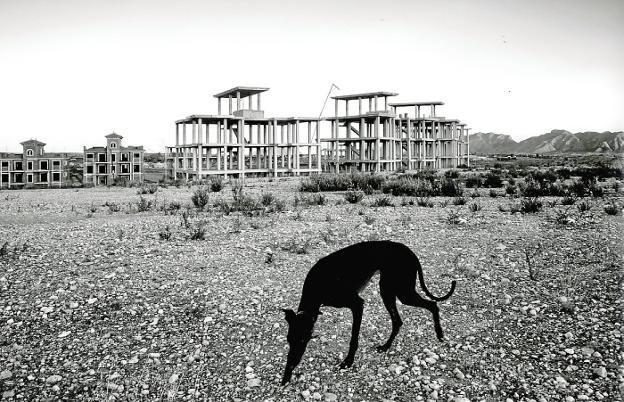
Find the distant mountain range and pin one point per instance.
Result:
(557, 141)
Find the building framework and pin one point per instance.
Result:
(378, 139)
(243, 142)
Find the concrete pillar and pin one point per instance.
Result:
(346, 107)
(230, 99)
(376, 109)
(238, 99)
(377, 142)
(184, 133)
(219, 106)
(177, 134)
(360, 106)
(274, 148)
(409, 143)
(259, 102)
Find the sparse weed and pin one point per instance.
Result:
(383, 201)
(452, 218)
(267, 199)
(474, 207)
(165, 234)
(612, 208)
(144, 204)
(369, 220)
(493, 193)
(424, 202)
(583, 206)
(147, 189)
(112, 207)
(198, 232)
(459, 201)
(568, 200)
(530, 205)
(354, 196)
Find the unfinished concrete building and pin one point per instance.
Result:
(243, 142)
(378, 136)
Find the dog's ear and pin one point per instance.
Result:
(288, 314)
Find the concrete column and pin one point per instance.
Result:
(409, 144)
(238, 99)
(259, 102)
(230, 99)
(376, 109)
(241, 148)
(177, 134)
(274, 148)
(219, 106)
(346, 107)
(377, 142)
(183, 133)
(360, 106)
(336, 108)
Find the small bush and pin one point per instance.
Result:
(450, 188)
(93, 209)
(583, 206)
(567, 200)
(112, 207)
(147, 189)
(198, 232)
(474, 181)
(459, 201)
(354, 196)
(596, 191)
(165, 234)
(511, 189)
(383, 201)
(267, 199)
(144, 204)
(369, 220)
(451, 174)
(475, 194)
(563, 217)
(493, 193)
(424, 202)
(474, 207)
(612, 208)
(201, 197)
(316, 199)
(493, 180)
(452, 218)
(216, 184)
(530, 205)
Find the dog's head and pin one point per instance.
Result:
(300, 327)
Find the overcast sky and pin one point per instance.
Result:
(72, 71)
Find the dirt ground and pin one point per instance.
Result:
(96, 303)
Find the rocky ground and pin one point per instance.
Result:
(96, 303)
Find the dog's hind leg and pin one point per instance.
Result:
(412, 298)
(357, 308)
(388, 296)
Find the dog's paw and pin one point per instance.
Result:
(346, 363)
(382, 348)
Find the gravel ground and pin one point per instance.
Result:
(95, 305)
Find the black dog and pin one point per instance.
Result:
(337, 280)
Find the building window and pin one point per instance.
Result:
(43, 165)
(5, 177)
(56, 164)
(124, 157)
(43, 177)
(112, 168)
(89, 156)
(29, 178)
(102, 169)
(125, 168)
(137, 168)
(29, 152)
(89, 169)
(101, 157)
(56, 177)
(29, 165)
(137, 155)
(19, 178)
(5, 165)
(113, 157)
(113, 145)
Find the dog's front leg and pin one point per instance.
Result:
(357, 308)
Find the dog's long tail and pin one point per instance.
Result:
(424, 287)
